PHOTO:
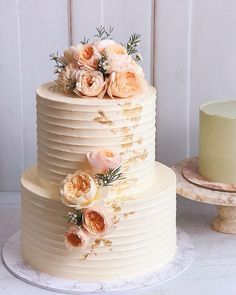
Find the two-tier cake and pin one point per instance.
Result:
(97, 206)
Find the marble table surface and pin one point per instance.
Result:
(212, 272)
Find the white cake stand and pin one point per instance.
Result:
(15, 264)
(225, 222)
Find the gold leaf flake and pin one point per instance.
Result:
(85, 256)
(126, 215)
(138, 156)
(125, 130)
(140, 140)
(103, 119)
(132, 113)
(97, 242)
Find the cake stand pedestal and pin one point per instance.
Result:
(225, 221)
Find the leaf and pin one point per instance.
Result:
(133, 43)
(109, 177)
(103, 34)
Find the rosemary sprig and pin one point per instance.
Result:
(133, 43)
(110, 176)
(103, 64)
(59, 66)
(103, 34)
(84, 41)
(75, 218)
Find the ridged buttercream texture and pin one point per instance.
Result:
(144, 202)
(69, 127)
(144, 238)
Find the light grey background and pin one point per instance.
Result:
(189, 50)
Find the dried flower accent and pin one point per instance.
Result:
(74, 217)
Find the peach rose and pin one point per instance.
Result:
(101, 160)
(126, 83)
(117, 57)
(102, 44)
(90, 83)
(87, 56)
(78, 190)
(96, 220)
(76, 238)
(134, 66)
(69, 54)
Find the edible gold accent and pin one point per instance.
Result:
(137, 157)
(127, 141)
(125, 130)
(140, 140)
(132, 113)
(126, 215)
(124, 185)
(94, 245)
(115, 208)
(103, 119)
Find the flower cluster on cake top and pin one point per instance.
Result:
(101, 67)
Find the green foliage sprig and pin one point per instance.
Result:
(109, 177)
(103, 64)
(132, 44)
(59, 64)
(84, 41)
(103, 34)
(74, 217)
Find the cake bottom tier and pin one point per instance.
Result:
(144, 238)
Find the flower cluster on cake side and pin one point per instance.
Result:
(86, 193)
(101, 67)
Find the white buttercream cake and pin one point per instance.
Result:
(97, 206)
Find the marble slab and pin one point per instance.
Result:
(14, 263)
(191, 173)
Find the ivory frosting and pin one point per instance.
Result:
(69, 127)
(144, 239)
(217, 144)
(144, 202)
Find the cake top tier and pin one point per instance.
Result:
(224, 109)
(50, 92)
(101, 68)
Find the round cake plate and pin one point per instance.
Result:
(14, 262)
(225, 221)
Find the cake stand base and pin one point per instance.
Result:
(225, 201)
(15, 264)
(226, 220)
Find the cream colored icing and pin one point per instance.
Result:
(144, 239)
(68, 127)
(217, 144)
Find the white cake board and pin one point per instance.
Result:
(14, 262)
